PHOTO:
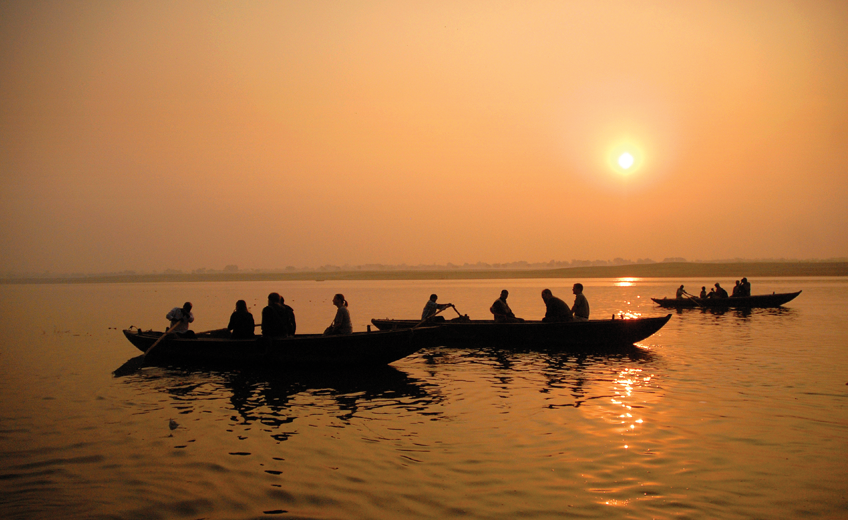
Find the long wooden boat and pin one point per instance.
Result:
(357, 349)
(538, 334)
(734, 302)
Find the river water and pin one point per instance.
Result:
(719, 415)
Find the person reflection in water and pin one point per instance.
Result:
(556, 310)
(241, 322)
(341, 323)
(581, 304)
(501, 310)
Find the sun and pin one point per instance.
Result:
(625, 158)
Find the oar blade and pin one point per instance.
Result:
(132, 366)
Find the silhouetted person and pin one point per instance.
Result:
(680, 292)
(291, 325)
(720, 293)
(703, 292)
(431, 307)
(746, 288)
(735, 291)
(274, 322)
(180, 317)
(581, 304)
(556, 310)
(712, 293)
(241, 324)
(341, 323)
(501, 310)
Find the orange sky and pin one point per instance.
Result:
(151, 135)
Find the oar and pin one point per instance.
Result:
(428, 318)
(696, 302)
(135, 364)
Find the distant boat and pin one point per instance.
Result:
(733, 302)
(357, 349)
(532, 334)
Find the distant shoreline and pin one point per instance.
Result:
(656, 270)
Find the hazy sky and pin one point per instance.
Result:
(148, 135)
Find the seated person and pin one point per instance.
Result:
(501, 310)
(556, 310)
(431, 307)
(581, 304)
(241, 324)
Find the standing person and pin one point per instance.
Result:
(341, 323)
(680, 292)
(288, 315)
(274, 323)
(556, 310)
(180, 317)
(581, 304)
(501, 310)
(241, 322)
(431, 307)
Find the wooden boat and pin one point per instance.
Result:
(734, 302)
(538, 334)
(359, 349)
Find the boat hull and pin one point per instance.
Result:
(357, 349)
(743, 302)
(537, 334)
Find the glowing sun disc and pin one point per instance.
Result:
(625, 160)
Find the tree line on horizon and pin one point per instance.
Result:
(518, 265)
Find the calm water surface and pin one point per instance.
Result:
(720, 415)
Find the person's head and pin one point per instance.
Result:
(717, 285)
(578, 288)
(241, 306)
(744, 280)
(339, 300)
(681, 286)
(546, 293)
(703, 287)
(187, 306)
(273, 298)
(433, 297)
(504, 294)
(282, 300)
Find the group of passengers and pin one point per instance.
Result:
(556, 310)
(278, 319)
(742, 288)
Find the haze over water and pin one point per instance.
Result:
(719, 415)
(160, 135)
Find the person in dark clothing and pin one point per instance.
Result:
(720, 292)
(735, 292)
(289, 316)
(746, 288)
(703, 292)
(501, 310)
(274, 322)
(241, 322)
(556, 310)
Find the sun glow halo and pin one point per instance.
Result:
(625, 160)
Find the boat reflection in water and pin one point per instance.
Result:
(275, 400)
